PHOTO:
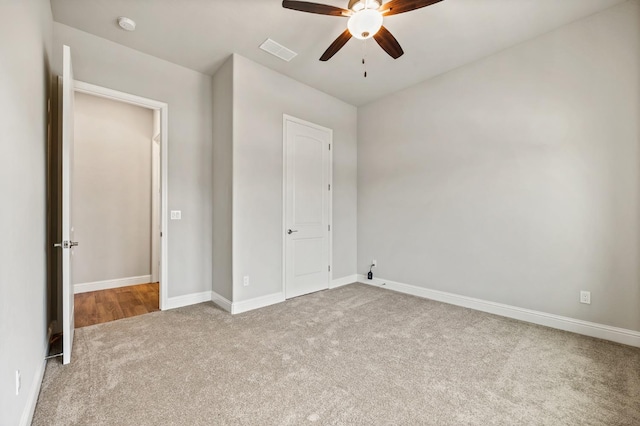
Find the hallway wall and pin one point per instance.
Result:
(112, 190)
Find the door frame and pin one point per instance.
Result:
(285, 119)
(155, 197)
(163, 108)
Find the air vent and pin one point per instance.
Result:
(276, 49)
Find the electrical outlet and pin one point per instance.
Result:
(374, 262)
(245, 280)
(176, 214)
(18, 382)
(585, 297)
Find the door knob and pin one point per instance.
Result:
(291, 231)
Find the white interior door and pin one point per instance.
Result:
(68, 242)
(307, 207)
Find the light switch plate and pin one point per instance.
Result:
(176, 214)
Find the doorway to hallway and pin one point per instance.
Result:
(115, 207)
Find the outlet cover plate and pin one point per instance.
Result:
(585, 297)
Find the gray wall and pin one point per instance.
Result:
(223, 179)
(25, 49)
(111, 189)
(188, 94)
(515, 179)
(260, 98)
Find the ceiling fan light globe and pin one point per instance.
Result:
(365, 23)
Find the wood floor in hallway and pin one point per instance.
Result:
(96, 307)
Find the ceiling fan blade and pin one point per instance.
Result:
(400, 6)
(388, 42)
(336, 45)
(321, 9)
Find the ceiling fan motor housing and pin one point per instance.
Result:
(356, 5)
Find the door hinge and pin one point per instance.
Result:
(329, 147)
(329, 268)
(329, 187)
(329, 228)
(66, 244)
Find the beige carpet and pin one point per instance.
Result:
(356, 355)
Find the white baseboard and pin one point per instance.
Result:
(187, 299)
(339, 282)
(270, 299)
(601, 331)
(221, 301)
(258, 302)
(34, 392)
(107, 284)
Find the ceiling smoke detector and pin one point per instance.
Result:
(127, 24)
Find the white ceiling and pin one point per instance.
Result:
(201, 34)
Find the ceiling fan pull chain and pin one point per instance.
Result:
(364, 55)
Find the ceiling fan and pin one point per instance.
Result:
(365, 21)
